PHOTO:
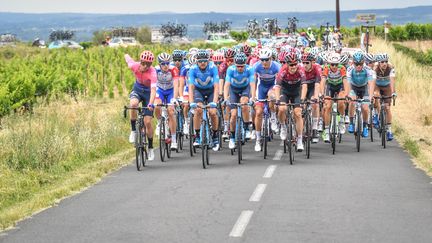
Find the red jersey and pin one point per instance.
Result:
(313, 75)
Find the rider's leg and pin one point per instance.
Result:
(172, 122)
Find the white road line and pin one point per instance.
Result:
(269, 172)
(278, 155)
(240, 225)
(256, 195)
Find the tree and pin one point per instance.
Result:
(144, 34)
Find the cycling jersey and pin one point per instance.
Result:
(359, 79)
(222, 70)
(266, 77)
(383, 76)
(184, 74)
(287, 80)
(240, 80)
(165, 80)
(334, 78)
(147, 79)
(313, 75)
(203, 79)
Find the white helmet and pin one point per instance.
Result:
(334, 58)
(265, 53)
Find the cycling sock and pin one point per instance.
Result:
(174, 138)
(197, 132)
(258, 135)
(351, 120)
(315, 123)
(365, 124)
(232, 135)
(389, 127)
(133, 125)
(215, 134)
(247, 124)
(150, 142)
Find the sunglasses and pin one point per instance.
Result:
(147, 64)
(383, 61)
(292, 64)
(203, 61)
(265, 59)
(306, 63)
(177, 60)
(230, 60)
(358, 63)
(164, 63)
(218, 63)
(334, 64)
(240, 66)
(282, 62)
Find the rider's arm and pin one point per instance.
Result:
(393, 80)
(153, 83)
(304, 88)
(252, 83)
(216, 84)
(227, 84)
(371, 83)
(191, 79)
(175, 74)
(181, 86)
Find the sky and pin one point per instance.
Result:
(189, 6)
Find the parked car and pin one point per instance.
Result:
(64, 43)
(122, 42)
(220, 38)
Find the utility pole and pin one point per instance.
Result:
(337, 15)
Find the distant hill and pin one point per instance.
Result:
(29, 26)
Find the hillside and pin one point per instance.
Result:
(29, 26)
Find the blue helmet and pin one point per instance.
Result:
(202, 54)
(240, 59)
(177, 55)
(358, 57)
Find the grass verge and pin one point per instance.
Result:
(60, 149)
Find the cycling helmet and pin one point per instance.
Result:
(307, 57)
(274, 53)
(300, 43)
(210, 52)
(344, 59)
(381, 57)
(369, 57)
(177, 55)
(338, 48)
(240, 59)
(202, 54)
(334, 58)
(218, 57)
(147, 56)
(192, 59)
(265, 53)
(358, 57)
(164, 57)
(229, 53)
(246, 49)
(291, 57)
(282, 55)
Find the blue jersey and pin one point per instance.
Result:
(266, 77)
(359, 79)
(183, 64)
(240, 80)
(184, 73)
(203, 79)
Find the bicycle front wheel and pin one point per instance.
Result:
(204, 145)
(290, 144)
(333, 133)
(383, 127)
(162, 144)
(358, 130)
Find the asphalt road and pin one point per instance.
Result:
(373, 196)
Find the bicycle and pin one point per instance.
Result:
(266, 132)
(205, 135)
(334, 123)
(220, 111)
(307, 128)
(382, 129)
(239, 136)
(164, 132)
(290, 142)
(141, 144)
(192, 135)
(358, 120)
(179, 128)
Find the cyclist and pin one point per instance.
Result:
(385, 85)
(239, 85)
(288, 89)
(229, 60)
(247, 49)
(177, 59)
(203, 81)
(166, 91)
(144, 87)
(184, 90)
(311, 88)
(361, 82)
(265, 74)
(334, 84)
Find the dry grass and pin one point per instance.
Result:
(417, 45)
(413, 110)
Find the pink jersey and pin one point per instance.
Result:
(148, 78)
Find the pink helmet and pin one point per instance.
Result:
(147, 56)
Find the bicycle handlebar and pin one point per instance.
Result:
(386, 97)
(139, 109)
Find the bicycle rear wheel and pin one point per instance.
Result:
(308, 134)
(191, 136)
(333, 132)
(162, 143)
(265, 135)
(239, 139)
(371, 122)
(290, 144)
(139, 153)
